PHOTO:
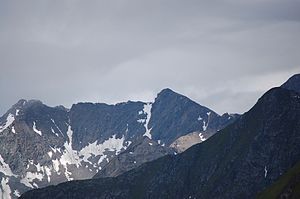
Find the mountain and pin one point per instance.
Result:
(288, 185)
(42, 145)
(239, 161)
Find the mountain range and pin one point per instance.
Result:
(242, 160)
(42, 145)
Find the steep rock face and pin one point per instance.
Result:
(96, 122)
(238, 162)
(140, 151)
(174, 115)
(42, 145)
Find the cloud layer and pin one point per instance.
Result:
(222, 54)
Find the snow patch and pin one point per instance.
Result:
(147, 111)
(48, 173)
(199, 118)
(142, 121)
(54, 149)
(57, 128)
(9, 120)
(13, 130)
(17, 193)
(73, 157)
(17, 112)
(204, 127)
(69, 155)
(50, 154)
(4, 168)
(201, 137)
(5, 190)
(266, 171)
(128, 143)
(41, 172)
(29, 177)
(205, 124)
(52, 130)
(127, 129)
(101, 158)
(112, 144)
(36, 130)
(55, 164)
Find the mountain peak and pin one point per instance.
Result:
(167, 91)
(168, 94)
(293, 83)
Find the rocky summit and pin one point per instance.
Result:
(42, 145)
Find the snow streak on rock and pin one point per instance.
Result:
(4, 168)
(147, 111)
(36, 130)
(9, 120)
(5, 190)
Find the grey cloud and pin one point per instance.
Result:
(66, 51)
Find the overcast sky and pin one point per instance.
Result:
(222, 54)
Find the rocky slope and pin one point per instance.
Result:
(238, 162)
(184, 142)
(42, 145)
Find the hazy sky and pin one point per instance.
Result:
(222, 54)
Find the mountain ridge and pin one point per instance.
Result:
(248, 155)
(45, 145)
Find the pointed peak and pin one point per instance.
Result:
(293, 83)
(167, 92)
